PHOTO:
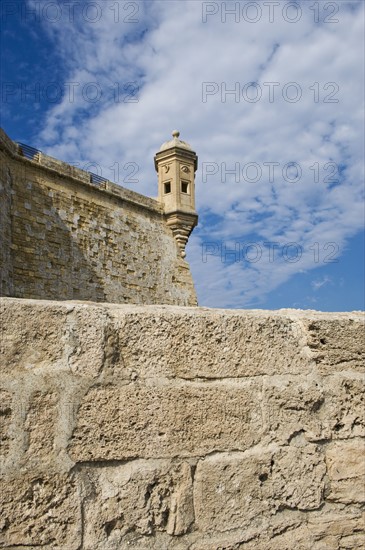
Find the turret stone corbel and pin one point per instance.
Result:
(176, 164)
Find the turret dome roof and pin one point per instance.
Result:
(175, 142)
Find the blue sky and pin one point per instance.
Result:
(269, 94)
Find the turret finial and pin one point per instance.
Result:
(175, 133)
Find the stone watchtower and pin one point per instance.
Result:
(176, 164)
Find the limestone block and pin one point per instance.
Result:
(40, 509)
(40, 425)
(320, 532)
(294, 405)
(75, 338)
(344, 406)
(320, 408)
(346, 471)
(208, 344)
(228, 491)
(353, 542)
(91, 341)
(31, 334)
(142, 497)
(165, 421)
(238, 490)
(176, 428)
(333, 527)
(298, 476)
(337, 344)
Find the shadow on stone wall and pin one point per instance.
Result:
(48, 260)
(6, 270)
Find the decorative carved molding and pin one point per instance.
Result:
(181, 225)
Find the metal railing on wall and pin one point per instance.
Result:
(97, 180)
(34, 154)
(28, 151)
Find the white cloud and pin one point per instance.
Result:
(169, 53)
(319, 283)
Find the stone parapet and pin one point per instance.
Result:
(164, 427)
(63, 169)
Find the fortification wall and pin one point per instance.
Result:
(180, 428)
(6, 271)
(65, 238)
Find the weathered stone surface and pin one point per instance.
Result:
(88, 339)
(165, 421)
(329, 529)
(76, 338)
(5, 419)
(229, 492)
(41, 429)
(297, 474)
(31, 334)
(91, 341)
(40, 509)
(344, 406)
(143, 497)
(320, 408)
(319, 530)
(166, 428)
(337, 344)
(237, 345)
(293, 405)
(346, 471)
(326, 531)
(238, 490)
